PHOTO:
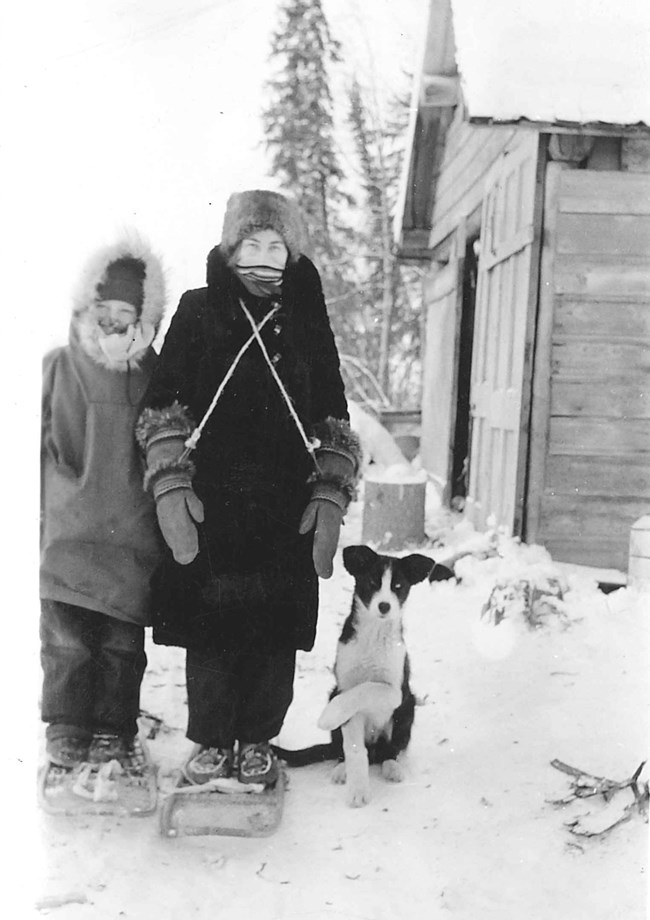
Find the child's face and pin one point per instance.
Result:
(264, 247)
(114, 316)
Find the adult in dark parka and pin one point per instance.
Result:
(252, 515)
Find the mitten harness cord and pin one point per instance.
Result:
(310, 444)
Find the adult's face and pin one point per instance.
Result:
(264, 247)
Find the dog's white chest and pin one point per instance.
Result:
(375, 653)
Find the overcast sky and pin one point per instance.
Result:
(146, 113)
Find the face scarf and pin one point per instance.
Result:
(122, 347)
(260, 280)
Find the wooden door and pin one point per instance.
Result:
(443, 296)
(503, 332)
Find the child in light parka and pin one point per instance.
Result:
(100, 542)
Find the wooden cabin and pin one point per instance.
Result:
(526, 199)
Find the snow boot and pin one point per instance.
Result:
(107, 746)
(258, 764)
(67, 750)
(208, 764)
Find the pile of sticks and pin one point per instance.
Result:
(614, 808)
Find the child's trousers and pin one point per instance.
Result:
(238, 695)
(93, 667)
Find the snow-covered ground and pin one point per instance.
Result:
(469, 833)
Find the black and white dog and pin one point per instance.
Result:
(371, 709)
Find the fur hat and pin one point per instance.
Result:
(259, 209)
(124, 280)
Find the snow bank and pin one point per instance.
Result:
(399, 473)
(379, 446)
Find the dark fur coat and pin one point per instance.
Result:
(253, 581)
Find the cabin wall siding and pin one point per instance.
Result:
(596, 479)
(469, 154)
(589, 447)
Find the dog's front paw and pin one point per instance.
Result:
(338, 773)
(358, 795)
(392, 771)
(334, 715)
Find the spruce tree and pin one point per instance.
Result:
(300, 136)
(299, 121)
(388, 289)
(377, 334)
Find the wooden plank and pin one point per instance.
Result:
(428, 141)
(457, 132)
(443, 293)
(597, 472)
(618, 316)
(461, 180)
(597, 358)
(463, 145)
(565, 514)
(630, 204)
(604, 399)
(591, 192)
(439, 48)
(597, 128)
(505, 249)
(541, 371)
(616, 476)
(609, 234)
(538, 192)
(601, 277)
(607, 552)
(459, 255)
(436, 90)
(439, 283)
(506, 302)
(458, 175)
(607, 437)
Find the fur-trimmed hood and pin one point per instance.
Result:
(84, 330)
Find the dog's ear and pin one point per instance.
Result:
(357, 559)
(440, 572)
(416, 567)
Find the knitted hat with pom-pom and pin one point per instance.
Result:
(259, 209)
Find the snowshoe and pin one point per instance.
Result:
(222, 806)
(114, 787)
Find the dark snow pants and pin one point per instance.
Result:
(238, 695)
(93, 667)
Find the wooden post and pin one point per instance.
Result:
(638, 571)
(393, 514)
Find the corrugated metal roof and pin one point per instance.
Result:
(554, 60)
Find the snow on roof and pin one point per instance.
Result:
(554, 60)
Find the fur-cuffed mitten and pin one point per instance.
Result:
(161, 434)
(338, 458)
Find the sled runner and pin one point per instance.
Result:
(100, 789)
(223, 807)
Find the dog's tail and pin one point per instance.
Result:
(317, 753)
